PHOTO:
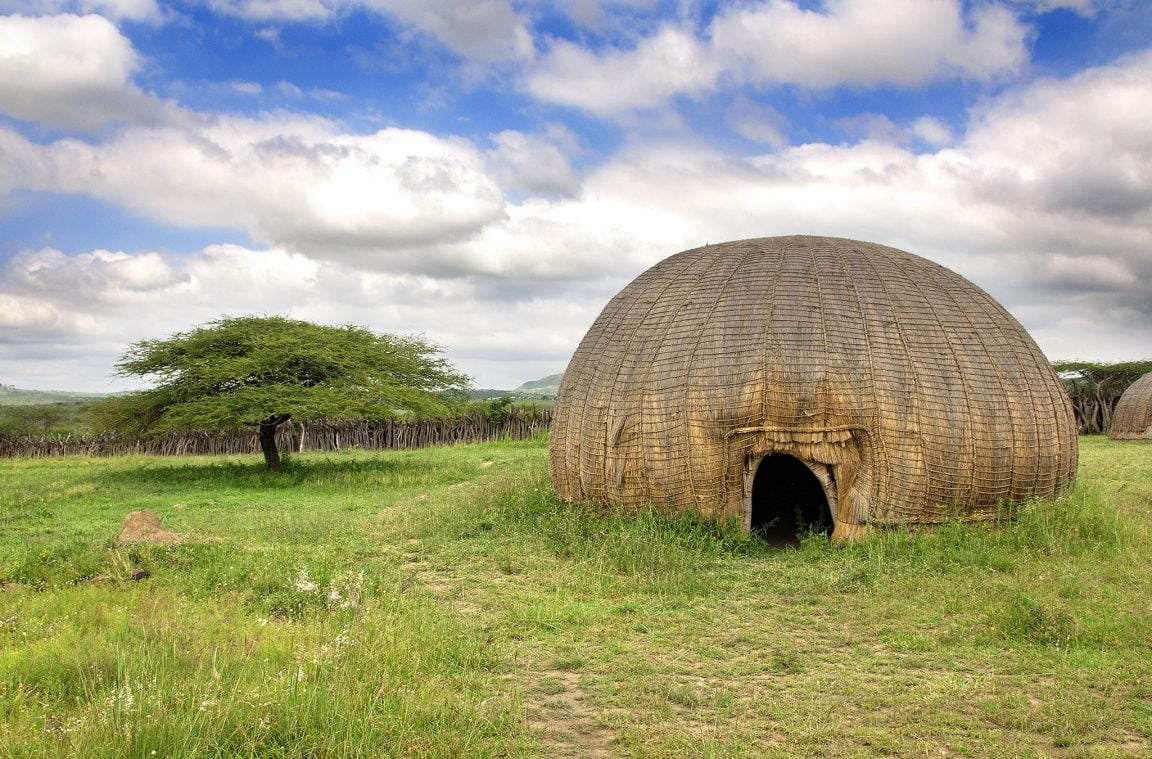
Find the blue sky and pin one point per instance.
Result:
(489, 173)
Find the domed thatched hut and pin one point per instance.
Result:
(810, 381)
(1133, 417)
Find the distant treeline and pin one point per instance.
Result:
(513, 424)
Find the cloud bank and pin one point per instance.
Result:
(847, 42)
(503, 246)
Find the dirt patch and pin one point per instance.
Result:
(436, 583)
(560, 714)
(145, 527)
(449, 591)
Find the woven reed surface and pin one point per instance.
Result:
(1132, 419)
(932, 401)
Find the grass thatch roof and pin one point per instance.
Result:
(1132, 419)
(914, 392)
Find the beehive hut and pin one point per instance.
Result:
(1133, 417)
(810, 382)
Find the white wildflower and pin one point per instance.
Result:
(303, 583)
(345, 594)
(123, 697)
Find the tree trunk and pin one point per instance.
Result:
(268, 447)
(298, 438)
(268, 440)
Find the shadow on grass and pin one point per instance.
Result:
(252, 475)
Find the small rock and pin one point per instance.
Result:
(139, 574)
(145, 527)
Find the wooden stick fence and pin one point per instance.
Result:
(318, 436)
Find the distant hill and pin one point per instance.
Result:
(487, 393)
(543, 389)
(10, 396)
(549, 385)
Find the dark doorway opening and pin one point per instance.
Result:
(788, 501)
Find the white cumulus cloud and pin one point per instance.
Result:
(1045, 200)
(1083, 7)
(128, 10)
(68, 70)
(932, 130)
(758, 122)
(286, 180)
(671, 62)
(64, 320)
(275, 10)
(535, 164)
(843, 42)
(483, 30)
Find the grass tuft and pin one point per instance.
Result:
(1022, 618)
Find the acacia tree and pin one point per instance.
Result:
(38, 418)
(263, 371)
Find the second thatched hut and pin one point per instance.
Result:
(1132, 419)
(810, 380)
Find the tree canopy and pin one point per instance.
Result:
(262, 371)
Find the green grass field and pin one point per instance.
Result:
(442, 603)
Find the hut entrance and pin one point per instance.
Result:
(788, 501)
